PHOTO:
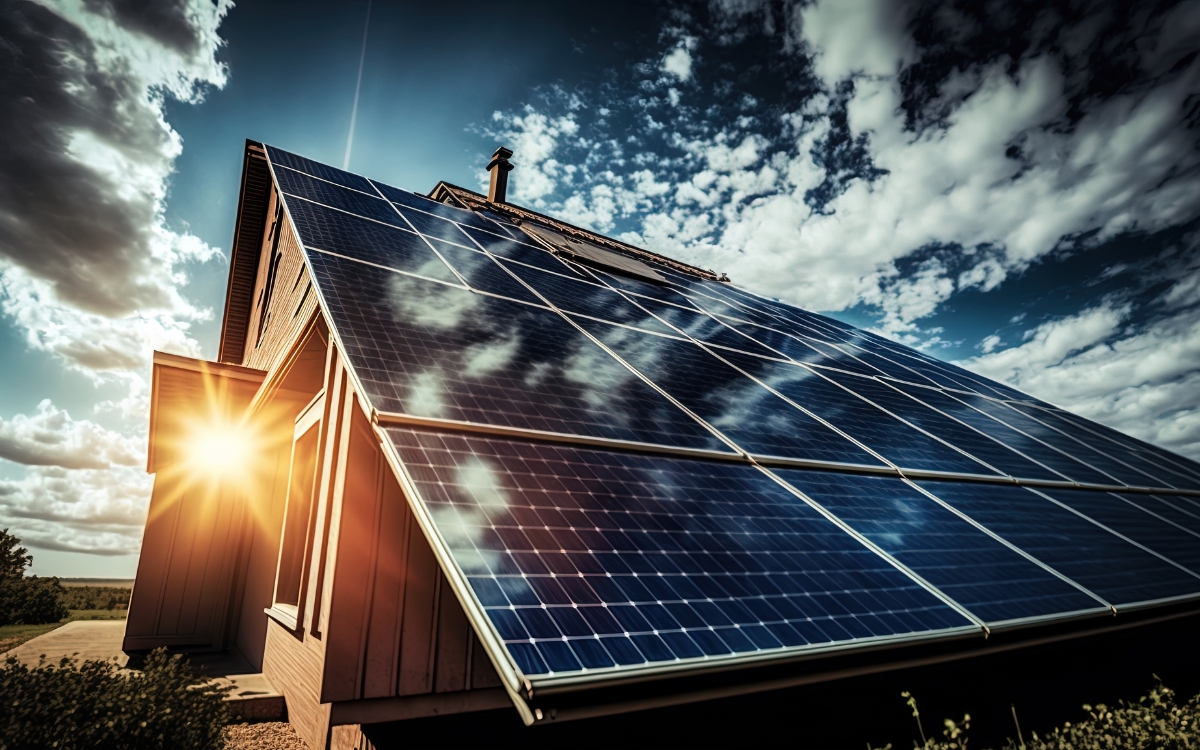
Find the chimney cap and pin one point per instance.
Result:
(500, 159)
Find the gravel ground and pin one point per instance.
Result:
(271, 735)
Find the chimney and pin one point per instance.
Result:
(499, 167)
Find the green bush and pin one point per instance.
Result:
(95, 597)
(1154, 721)
(26, 600)
(72, 706)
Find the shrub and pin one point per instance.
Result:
(31, 601)
(95, 597)
(72, 706)
(25, 600)
(1153, 721)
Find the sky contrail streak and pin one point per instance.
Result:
(357, 85)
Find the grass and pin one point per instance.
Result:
(12, 636)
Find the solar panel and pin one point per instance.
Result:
(585, 443)
(330, 231)
(1114, 569)
(1129, 520)
(432, 350)
(756, 419)
(1120, 462)
(590, 254)
(519, 252)
(1086, 466)
(584, 298)
(896, 441)
(1062, 464)
(972, 442)
(316, 169)
(992, 580)
(590, 560)
(801, 349)
(335, 196)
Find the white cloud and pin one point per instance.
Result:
(89, 271)
(678, 62)
(100, 511)
(855, 37)
(52, 438)
(1144, 382)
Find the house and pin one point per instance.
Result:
(456, 455)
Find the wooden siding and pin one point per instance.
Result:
(396, 629)
(291, 304)
(243, 258)
(193, 527)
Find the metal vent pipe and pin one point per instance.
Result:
(499, 166)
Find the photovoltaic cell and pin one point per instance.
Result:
(521, 252)
(333, 231)
(801, 349)
(1046, 434)
(935, 423)
(756, 419)
(705, 328)
(586, 559)
(983, 425)
(432, 350)
(1103, 563)
(1122, 463)
(581, 297)
(1131, 521)
(1183, 511)
(346, 179)
(1066, 467)
(989, 579)
(894, 440)
(406, 199)
(1166, 464)
(350, 201)
(483, 272)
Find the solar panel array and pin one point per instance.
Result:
(631, 474)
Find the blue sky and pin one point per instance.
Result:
(1012, 186)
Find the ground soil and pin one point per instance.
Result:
(271, 735)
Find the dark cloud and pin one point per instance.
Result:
(84, 154)
(166, 21)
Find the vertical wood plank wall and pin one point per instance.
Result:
(397, 630)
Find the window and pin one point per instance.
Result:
(297, 520)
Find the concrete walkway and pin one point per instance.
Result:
(253, 696)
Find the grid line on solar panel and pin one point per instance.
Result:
(1128, 521)
(1163, 511)
(797, 349)
(1185, 513)
(1118, 462)
(427, 206)
(585, 559)
(946, 429)
(353, 237)
(438, 351)
(941, 403)
(481, 272)
(951, 403)
(584, 298)
(1074, 467)
(278, 167)
(299, 185)
(1129, 451)
(1147, 452)
(1121, 573)
(884, 435)
(992, 579)
(754, 418)
(316, 169)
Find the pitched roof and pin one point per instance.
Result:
(625, 478)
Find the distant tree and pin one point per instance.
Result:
(14, 559)
(28, 600)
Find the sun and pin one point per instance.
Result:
(219, 449)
